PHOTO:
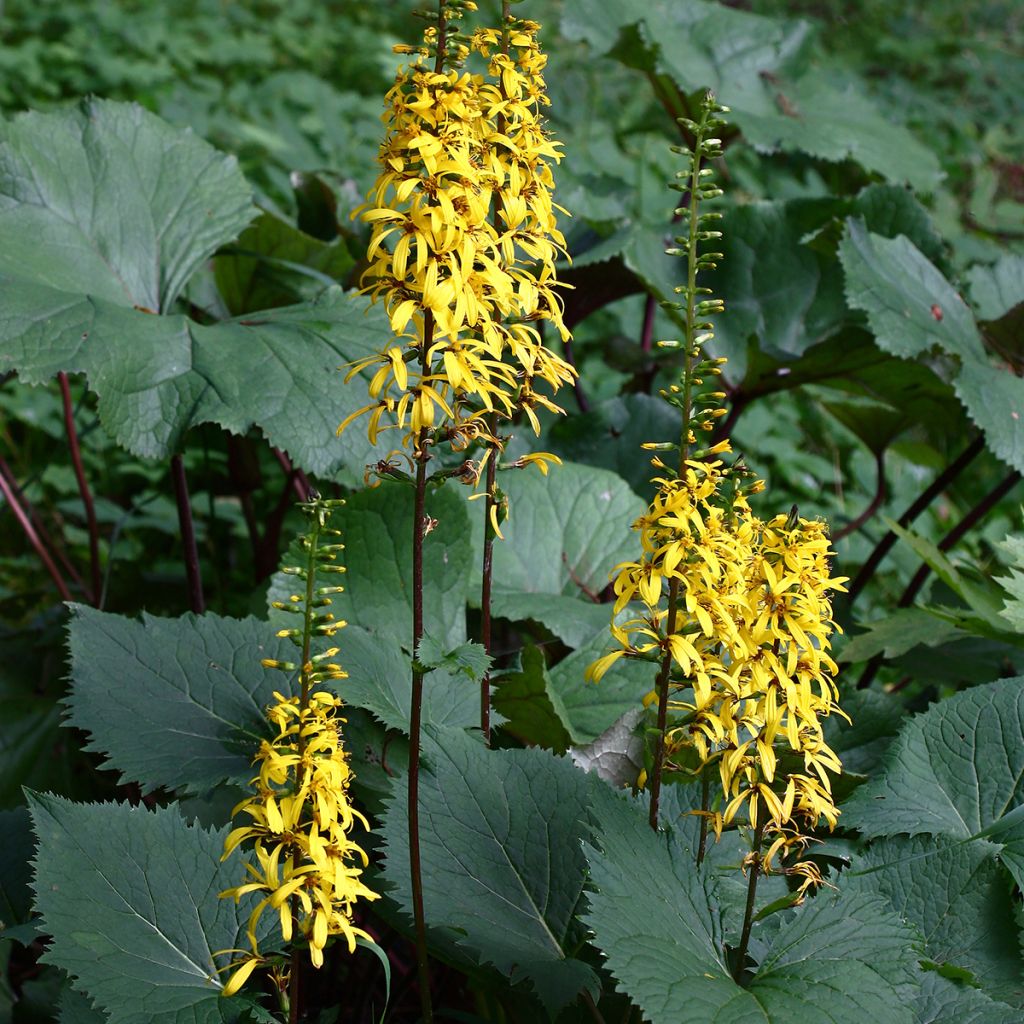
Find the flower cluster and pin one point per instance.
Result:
(304, 861)
(735, 610)
(747, 634)
(464, 240)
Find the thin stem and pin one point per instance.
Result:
(969, 521)
(873, 506)
(83, 487)
(188, 536)
(748, 914)
(415, 712)
(662, 683)
(487, 565)
(705, 802)
(938, 485)
(295, 476)
(33, 537)
(647, 330)
(588, 1001)
(487, 572)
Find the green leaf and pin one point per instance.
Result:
(380, 680)
(467, 659)
(994, 399)
(944, 1002)
(956, 894)
(591, 708)
(953, 771)
(108, 200)
(130, 898)
(756, 65)
(376, 526)
(173, 702)
(1013, 608)
(502, 864)
(274, 264)
(15, 853)
(656, 919)
(997, 289)
(610, 435)
(158, 376)
(900, 631)
(572, 620)
(75, 1008)
(531, 705)
(900, 290)
(861, 744)
(617, 755)
(565, 531)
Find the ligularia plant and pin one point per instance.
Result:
(304, 863)
(736, 610)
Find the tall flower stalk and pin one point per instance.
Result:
(304, 863)
(735, 611)
(462, 256)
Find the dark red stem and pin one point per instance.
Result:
(188, 536)
(874, 505)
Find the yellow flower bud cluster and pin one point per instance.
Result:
(464, 243)
(742, 609)
(301, 817)
(303, 859)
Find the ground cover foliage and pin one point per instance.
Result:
(178, 293)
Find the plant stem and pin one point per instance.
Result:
(705, 800)
(7, 487)
(487, 566)
(927, 496)
(748, 914)
(83, 487)
(415, 711)
(662, 684)
(969, 521)
(873, 505)
(188, 536)
(588, 1001)
(487, 573)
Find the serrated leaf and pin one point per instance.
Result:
(617, 755)
(15, 853)
(565, 531)
(173, 702)
(106, 199)
(994, 399)
(944, 1002)
(158, 376)
(75, 1008)
(953, 771)
(998, 288)
(531, 706)
(467, 659)
(500, 838)
(376, 528)
(958, 897)
(380, 680)
(900, 290)
(756, 65)
(656, 919)
(130, 898)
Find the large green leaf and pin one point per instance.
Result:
(105, 199)
(757, 65)
(500, 835)
(376, 526)
(655, 917)
(959, 898)
(157, 376)
(565, 532)
(910, 306)
(531, 705)
(953, 771)
(75, 1008)
(173, 702)
(130, 898)
(944, 1002)
(994, 399)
